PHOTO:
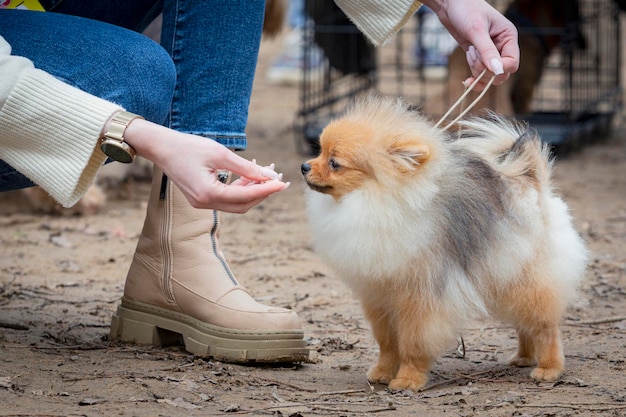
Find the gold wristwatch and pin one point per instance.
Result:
(113, 144)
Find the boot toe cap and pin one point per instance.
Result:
(238, 310)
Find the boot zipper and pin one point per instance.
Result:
(165, 240)
(223, 177)
(217, 252)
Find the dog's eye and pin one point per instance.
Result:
(333, 164)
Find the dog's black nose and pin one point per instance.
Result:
(305, 168)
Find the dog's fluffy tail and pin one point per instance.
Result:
(513, 149)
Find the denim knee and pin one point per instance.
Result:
(105, 60)
(145, 80)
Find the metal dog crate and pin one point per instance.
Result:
(574, 101)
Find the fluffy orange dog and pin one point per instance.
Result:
(430, 232)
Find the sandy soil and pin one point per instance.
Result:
(61, 279)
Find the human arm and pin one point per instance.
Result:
(49, 131)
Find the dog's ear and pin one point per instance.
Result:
(407, 154)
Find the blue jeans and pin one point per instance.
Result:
(198, 81)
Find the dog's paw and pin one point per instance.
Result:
(546, 374)
(521, 361)
(378, 375)
(414, 383)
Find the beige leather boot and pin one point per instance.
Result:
(180, 288)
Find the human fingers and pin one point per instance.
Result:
(478, 80)
(510, 53)
(238, 197)
(246, 181)
(502, 63)
(249, 169)
(484, 54)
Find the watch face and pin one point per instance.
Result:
(117, 151)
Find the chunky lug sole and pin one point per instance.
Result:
(145, 324)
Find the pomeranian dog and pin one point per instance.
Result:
(430, 231)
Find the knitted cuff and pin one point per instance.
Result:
(379, 20)
(49, 133)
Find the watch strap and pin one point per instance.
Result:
(118, 125)
(115, 132)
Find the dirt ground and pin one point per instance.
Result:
(62, 277)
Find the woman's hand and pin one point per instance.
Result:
(488, 38)
(194, 163)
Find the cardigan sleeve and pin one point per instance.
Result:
(379, 20)
(49, 130)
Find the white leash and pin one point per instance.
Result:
(460, 99)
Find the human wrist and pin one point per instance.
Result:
(146, 138)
